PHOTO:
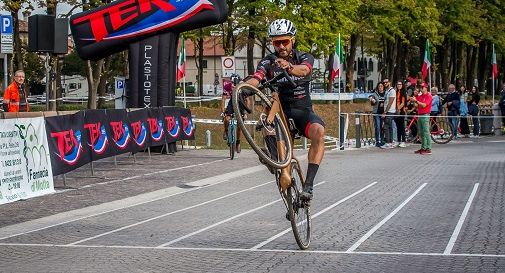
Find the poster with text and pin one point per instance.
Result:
(24, 159)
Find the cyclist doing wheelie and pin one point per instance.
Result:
(227, 108)
(295, 101)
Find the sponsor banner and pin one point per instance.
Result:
(155, 125)
(24, 159)
(137, 121)
(97, 133)
(188, 127)
(67, 142)
(120, 138)
(108, 29)
(172, 124)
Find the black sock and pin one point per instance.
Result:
(311, 174)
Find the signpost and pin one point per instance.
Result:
(228, 65)
(6, 42)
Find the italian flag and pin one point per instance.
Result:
(338, 60)
(494, 64)
(427, 60)
(181, 63)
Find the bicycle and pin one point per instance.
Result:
(440, 130)
(276, 151)
(232, 136)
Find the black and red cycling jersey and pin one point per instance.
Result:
(300, 95)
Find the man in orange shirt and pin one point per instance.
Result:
(15, 98)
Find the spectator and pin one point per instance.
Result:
(436, 102)
(377, 101)
(452, 100)
(424, 109)
(473, 109)
(411, 112)
(501, 103)
(401, 101)
(389, 111)
(15, 97)
(463, 112)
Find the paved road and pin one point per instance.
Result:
(374, 211)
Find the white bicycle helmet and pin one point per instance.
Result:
(281, 27)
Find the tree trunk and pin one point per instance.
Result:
(102, 84)
(251, 40)
(400, 73)
(18, 55)
(472, 61)
(59, 89)
(200, 62)
(349, 68)
(482, 68)
(461, 64)
(93, 76)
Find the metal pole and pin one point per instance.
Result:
(339, 87)
(341, 132)
(358, 130)
(6, 74)
(48, 70)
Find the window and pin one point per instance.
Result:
(370, 85)
(370, 65)
(204, 63)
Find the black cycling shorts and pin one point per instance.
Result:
(303, 118)
(229, 109)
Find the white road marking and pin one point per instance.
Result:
(92, 211)
(376, 227)
(313, 216)
(462, 218)
(170, 213)
(210, 249)
(225, 221)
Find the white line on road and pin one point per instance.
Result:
(153, 173)
(145, 198)
(313, 216)
(376, 227)
(462, 218)
(302, 252)
(225, 221)
(170, 213)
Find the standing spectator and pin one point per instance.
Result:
(463, 112)
(411, 112)
(389, 111)
(436, 103)
(15, 97)
(424, 109)
(452, 100)
(401, 101)
(501, 103)
(473, 109)
(377, 101)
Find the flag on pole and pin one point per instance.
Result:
(494, 64)
(181, 64)
(338, 60)
(427, 60)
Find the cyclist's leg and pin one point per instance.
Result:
(226, 122)
(312, 127)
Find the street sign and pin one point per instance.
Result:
(6, 31)
(228, 64)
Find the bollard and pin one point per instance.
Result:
(497, 120)
(208, 138)
(358, 131)
(341, 133)
(304, 144)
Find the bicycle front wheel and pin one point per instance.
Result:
(274, 147)
(441, 131)
(298, 210)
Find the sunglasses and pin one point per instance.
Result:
(285, 42)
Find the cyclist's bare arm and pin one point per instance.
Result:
(298, 70)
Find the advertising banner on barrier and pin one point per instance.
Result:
(178, 124)
(67, 142)
(97, 133)
(138, 130)
(120, 138)
(24, 159)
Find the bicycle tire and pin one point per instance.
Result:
(232, 139)
(281, 132)
(444, 133)
(299, 211)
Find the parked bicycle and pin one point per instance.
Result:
(275, 149)
(440, 130)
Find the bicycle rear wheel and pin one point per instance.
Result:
(298, 210)
(267, 148)
(440, 131)
(232, 135)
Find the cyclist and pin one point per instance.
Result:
(227, 107)
(295, 101)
